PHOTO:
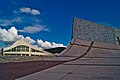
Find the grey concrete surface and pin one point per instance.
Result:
(97, 64)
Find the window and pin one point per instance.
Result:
(21, 48)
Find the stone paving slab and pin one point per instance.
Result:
(82, 42)
(90, 77)
(62, 69)
(97, 70)
(104, 45)
(43, 76)
(99, 61)
(75, 51)
(59, 58)
(96, 52)
(76, 48)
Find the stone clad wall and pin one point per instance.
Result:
(117, 32)
(91, 31)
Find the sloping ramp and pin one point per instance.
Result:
(101, 63)
(77, 48)
(96, 62)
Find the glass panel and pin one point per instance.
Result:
(21, 48)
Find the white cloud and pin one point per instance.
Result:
(47, 44)
(34, 29)
(28, 39)
(35, 12)
(5, 22)
(6, 35)
(13, 31)
(9, 22)
(26, 10)
(12, 35)
(30, 11)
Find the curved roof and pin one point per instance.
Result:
(22, 42)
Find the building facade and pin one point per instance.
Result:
(22, 47)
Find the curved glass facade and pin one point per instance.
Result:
(21, 48)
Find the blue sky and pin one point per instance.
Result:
(51, 20)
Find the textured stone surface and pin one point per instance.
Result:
(117, 32)
(91, 31)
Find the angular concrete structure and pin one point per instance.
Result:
(94, 57)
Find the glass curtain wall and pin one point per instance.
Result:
(21, 48)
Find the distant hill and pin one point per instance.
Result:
(55, 50)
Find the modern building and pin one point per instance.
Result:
(22, 47)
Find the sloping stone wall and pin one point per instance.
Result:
(91, 31)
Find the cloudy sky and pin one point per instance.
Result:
(48, 23)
